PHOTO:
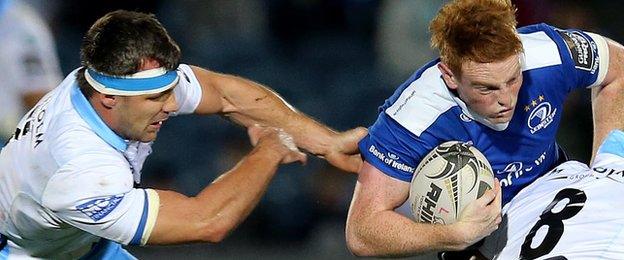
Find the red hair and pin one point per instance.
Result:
(475, 30)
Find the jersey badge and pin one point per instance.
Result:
(541, 115)
(582, 50)
(99, 208)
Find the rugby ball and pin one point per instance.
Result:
(451, 176)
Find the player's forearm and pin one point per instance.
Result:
(260, 105)
(220, 207)
(231, 197)
(389, 234)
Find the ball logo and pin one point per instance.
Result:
(457, 157)
(451, 176)
(541, 117)
(429, 204)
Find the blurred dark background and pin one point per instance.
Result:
(335, 60)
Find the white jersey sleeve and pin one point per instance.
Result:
(188, 92)
(95, 193)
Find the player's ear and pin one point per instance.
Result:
(448, 76)
(109, 101)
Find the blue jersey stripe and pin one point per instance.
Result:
(136, 239)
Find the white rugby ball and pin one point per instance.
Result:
(451, 176)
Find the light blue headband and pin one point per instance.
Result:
(145, 82)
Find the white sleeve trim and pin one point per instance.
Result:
(603, 62)
(152, 214)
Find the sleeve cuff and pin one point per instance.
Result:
(603, 54)
(148, 218)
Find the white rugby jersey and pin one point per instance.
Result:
(66, 179)
(572, 212)
(29, 61)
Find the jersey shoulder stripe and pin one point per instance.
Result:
(539, 51)
(422, 101)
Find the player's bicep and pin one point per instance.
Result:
(179, 220)
(392, 149)
(212, 101)
(376, 191)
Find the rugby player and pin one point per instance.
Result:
(500, 89)
(68, 175)
(572, 212)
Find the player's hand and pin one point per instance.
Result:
(481, 217)
(344, 153)
(276, 140)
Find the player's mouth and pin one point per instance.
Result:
(158, 123)
(505, 113)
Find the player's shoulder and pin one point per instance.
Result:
(541, 45)
(68, 134)
(421, 100)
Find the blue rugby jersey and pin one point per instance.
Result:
(423, 113)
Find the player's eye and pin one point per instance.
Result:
(486, 90)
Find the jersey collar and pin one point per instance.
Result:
(474, 116)
(88, 114)
(613, 144)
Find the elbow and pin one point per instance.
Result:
(355, 242)
(214, 232)
(357, 248)
(214, 237)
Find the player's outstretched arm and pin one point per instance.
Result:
(607, 99)
(248, 103)
(375, 229)
(220, 207)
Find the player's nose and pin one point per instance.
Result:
(171, 105)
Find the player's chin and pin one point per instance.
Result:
(501, 119)
(149, 136)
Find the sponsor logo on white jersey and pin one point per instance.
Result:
(99, 208)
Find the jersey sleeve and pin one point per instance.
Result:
(585, 57)
(100, 199)
(392, 149)
(188, 92)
